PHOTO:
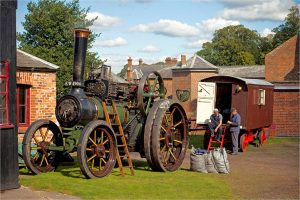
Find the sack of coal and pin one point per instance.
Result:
(210, 163)
(198, 161)
(221, 161)
(224, 153)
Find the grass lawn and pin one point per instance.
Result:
(280, 140)
(146, 184)
(182, 184)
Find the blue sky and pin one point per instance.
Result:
(155, 29)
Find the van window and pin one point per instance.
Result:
(261, 97)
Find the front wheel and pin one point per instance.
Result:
(97, 149)
(40, 135)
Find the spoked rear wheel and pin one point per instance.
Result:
(39, 136)
(97, 150)
(169, 137)
(148, 132)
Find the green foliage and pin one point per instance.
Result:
(234, 45)
(289, 29)
(159, 63)
(49, 35)
(146, 184)
(123, 71)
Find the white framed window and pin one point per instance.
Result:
(261, 97)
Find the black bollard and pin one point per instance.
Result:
(9, 170)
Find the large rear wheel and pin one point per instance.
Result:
(169, 137)
(97, 149)
(39, 136)
(148, 132)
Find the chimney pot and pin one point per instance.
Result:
(174, 61)
(140, 61)
(168, 61)
(183, 60)
(129, 70)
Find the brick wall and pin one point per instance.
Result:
(42, 96)
(182, 81)
(168, 85)
(286, 113)
(188, 80)
(282, 68)
(282, 64)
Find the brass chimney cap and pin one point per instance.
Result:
(82, 32)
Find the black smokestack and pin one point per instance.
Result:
(81, 39)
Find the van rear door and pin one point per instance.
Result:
(205, 102)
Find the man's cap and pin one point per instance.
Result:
(216, 110)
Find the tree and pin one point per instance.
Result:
(235, 45)
(49, 35)
(122, 73)
(290, 27)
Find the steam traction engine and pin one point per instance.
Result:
(99, 119)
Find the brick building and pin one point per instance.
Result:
(36, 89)
(282, 69)
(180, 77)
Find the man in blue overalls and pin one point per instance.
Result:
(235, 123)
(215, 124)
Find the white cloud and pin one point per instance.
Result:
(167, 27)
(266, 32)
(150, 49)
(103, 20)
(213, 24)
(119, 41)
(115, 60)
(196, 44)
(275, 10)
(207, 29)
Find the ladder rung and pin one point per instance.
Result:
(118, 135)
(112, 114)
(121, 145)
(112, 124)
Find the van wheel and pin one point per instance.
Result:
(261, 137)
(243, 142)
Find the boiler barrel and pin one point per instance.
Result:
(75, 110)
(100, 112)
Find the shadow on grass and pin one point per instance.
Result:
(74, 171)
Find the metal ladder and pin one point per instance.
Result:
(211, 141)
(113, 119)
